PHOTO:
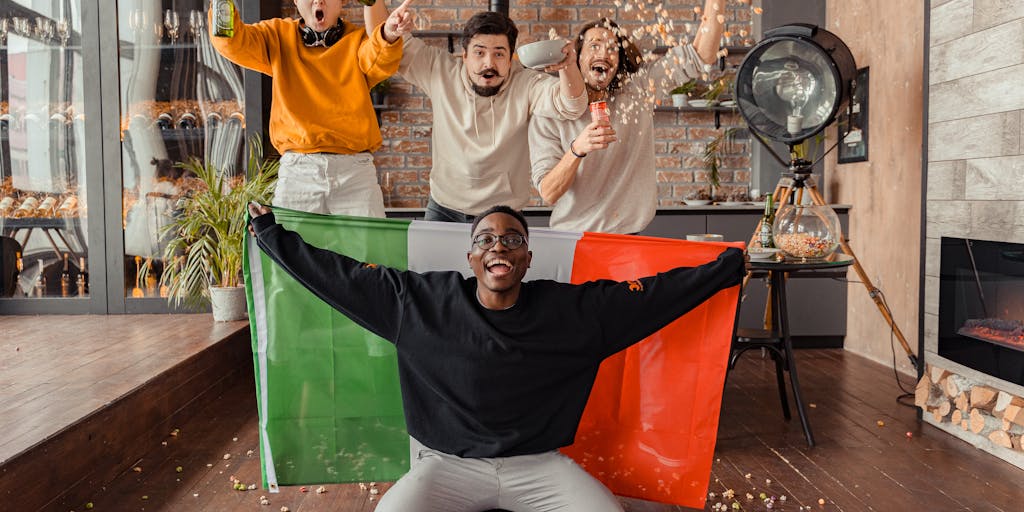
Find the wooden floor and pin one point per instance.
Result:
(857, 464)
(82, 397)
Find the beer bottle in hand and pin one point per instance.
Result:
(223, 18)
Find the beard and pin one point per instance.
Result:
(486, 90)
(591, 88)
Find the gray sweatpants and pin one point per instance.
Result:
(526, 483)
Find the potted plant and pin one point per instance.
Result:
(713, 158)
(715, 90)
(379, 92)
(681, 93)
(203, 257)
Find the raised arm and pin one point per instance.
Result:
(709, 34)
(250, 47)
(396, 24)
(368, 294)
(637, 309)
(373, 15)
(569, 77)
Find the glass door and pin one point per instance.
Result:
(181, 105)
(45, 202)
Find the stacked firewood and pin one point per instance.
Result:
(975, 407)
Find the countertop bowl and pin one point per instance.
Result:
(762, 253)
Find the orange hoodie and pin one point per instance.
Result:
(321, 99)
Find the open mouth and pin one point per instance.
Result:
(319, 15)
(489, 74)
(499, 267)
(600, 69)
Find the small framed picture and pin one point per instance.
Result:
(854, 122)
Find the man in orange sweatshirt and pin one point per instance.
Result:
(321, 118)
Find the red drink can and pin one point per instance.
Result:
(599, 111)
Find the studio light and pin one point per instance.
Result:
(792, 84)
(789, 88)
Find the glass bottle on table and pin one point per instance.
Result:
(764, 235)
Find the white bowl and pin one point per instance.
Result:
(541, 54)
(762, 253)
(705, 237)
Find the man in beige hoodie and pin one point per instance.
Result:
(482, 102)
(615, 190)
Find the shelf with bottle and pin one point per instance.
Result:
(25, 209)
(49, 277)
(183, 118)
(56, 115)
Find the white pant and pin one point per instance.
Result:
(527, 483)
(329, 183)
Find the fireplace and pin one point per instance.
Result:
(981, 306)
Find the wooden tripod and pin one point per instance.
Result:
(800, 181)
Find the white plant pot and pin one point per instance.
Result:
(679, 100)
(228, 303)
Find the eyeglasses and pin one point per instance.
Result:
(511, 241)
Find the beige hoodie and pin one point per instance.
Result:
(481, 154)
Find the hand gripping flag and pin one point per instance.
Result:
(327, 390)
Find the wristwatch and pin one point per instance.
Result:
(368, 3)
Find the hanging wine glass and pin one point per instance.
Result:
(172, 23)
(195, 22)
(63, 31)
(5, 27)
(137, 20)
(44, 28)
(21, 25)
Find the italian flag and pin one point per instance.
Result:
(327, 390)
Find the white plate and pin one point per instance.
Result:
(697, 202)
(729, 103)
(732, 203)
(762, 254)
(700, 103)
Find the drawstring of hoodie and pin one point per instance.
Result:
(494, 125)
(476, 113)
(473, 97)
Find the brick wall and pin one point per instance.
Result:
(680, 136)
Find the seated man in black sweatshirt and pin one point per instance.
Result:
(495, 372)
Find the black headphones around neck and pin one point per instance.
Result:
(327, 38)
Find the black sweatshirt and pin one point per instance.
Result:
(482, 383)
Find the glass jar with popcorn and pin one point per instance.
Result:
(807, 232)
